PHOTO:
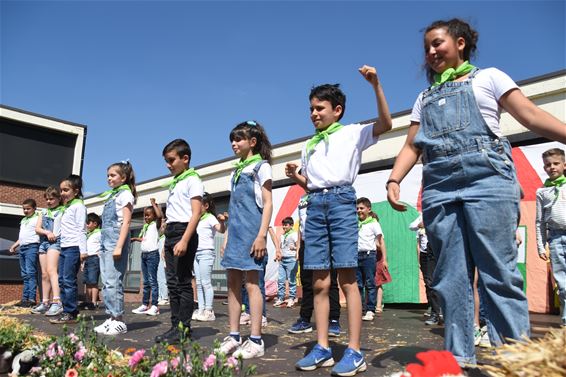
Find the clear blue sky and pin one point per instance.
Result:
(141, 73)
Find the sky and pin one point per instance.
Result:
(139, 74)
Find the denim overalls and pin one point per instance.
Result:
(244, 224)
(470, 206)
(112, 270)
(48, 223)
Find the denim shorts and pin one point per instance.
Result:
(46, 245)
(331, 230)
(91, 271)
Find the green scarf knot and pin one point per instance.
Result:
(287, 234)
(243, 163)
(205, 215)
(113, 192)
(70, 203)
(96, 230)
(322, 135)
(451, 74)
(144, 229)
(556, 183)
(178, 178)
(368, 220)
(27, 219)
(50, 211)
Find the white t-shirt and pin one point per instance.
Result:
(93, 243)
(367, 236)
(27, 233)
(488, 85)
(422, 239)
(337, 162)
(73, 227)
(150, 239)
(303, 215)
(179, 201)
(287, 243)
(123, 198)
(206, 231)
(56, 221)
(263, 175)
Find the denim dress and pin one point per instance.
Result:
(470, 206)
(48, 223)
(244, 224)
(112, 270)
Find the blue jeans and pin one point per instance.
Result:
(287, 271)
(557, 245)
(91, 271)
(261, 281)
(69, 264)
(149, 263)
(204, 260)
(162, 280)
(28, 270)
(365, 274)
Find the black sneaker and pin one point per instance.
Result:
(64, 318)
(433, 320)
(89, 306)
(170, 336)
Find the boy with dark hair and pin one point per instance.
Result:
(181, 240)
(28, 242)
(287, 258)
(330, 164)
(91, 261)
(551, 221)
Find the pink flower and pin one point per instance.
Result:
(51, 352)
(71, 373)
(159, 369)
(73, 337)
(232, 362)
(60, 351)
(136, 358)
(175, 362)
(209, 362)
(80, 354)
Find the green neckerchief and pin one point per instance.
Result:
(27, 219)
(180, 177)
(96, 230)
(369, 219)
(287, 234)
(205, 215)
(322, 135)
(240, 165)
(162, 236)
(144, 229)
(112, 192)
(51, 210)
(451, 74)
(556, 183)
(70, 203)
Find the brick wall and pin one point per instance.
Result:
(16, 194)
(10, 292)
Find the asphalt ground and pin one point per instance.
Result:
(389, 342)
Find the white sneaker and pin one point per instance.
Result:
(229, 345)
(263, 321)
(250, 350)
(101, 329)
(291, 302)
(140, 309)
(163, 302)
(368, 316)
(115, 328)
(278, 303)
(154, 310)
(196, 313)
(206, 316)
(485, 342)
(245, 319)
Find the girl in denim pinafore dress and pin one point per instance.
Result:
(115, 244)
(469, 185)
(247, 231)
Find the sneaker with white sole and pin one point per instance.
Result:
(206, 316)
(368, 316)
(291, 302)
(245, 318)
(115, 328)
(153, 311)
(351, 363)
(54, 310)
(163, 302)
(278, 303)
(196, 314)
(477, 335)
(41, 308)
(316, 358)
(228, 345)
(249, 350)
(140, 309)
(100, 329)
(484, 341)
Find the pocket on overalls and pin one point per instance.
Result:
(445, 113)
(500, 161)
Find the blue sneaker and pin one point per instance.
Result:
(317, 357)
(301, 326)
(334, 328)
(352, 362)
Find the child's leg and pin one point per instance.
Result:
(293, 279)
(161, 280)
(23, 273)
(153, 262)
(256, 302)
(31, 262)
(281, 281)
(234, 299)
(145, 275)
(321, 285)
(379, 289)
(334, 296)
(197, 268)
(206, 280)
(557, 243)
(52, 272)
(349, 285)
(45, 282)
(369, 283)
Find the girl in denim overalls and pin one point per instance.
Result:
(469, 184)
(250, 213)
(49, 230)
(115, 244)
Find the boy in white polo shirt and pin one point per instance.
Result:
(181, 239)
(28, 241)
(330, 164)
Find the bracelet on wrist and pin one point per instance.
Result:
(392, 181)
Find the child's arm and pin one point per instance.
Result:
(124, 230)
(158, 212)
(292, 171)
(14, 247)
(136, 239)
(380, 243)
(532, 117)
(275, 243)
(224, 243)
(259, 247)
(180, 247)
(384, 122)
(221, 226)
(540, 228)
(406, 159)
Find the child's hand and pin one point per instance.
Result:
(543, 256)
(259, 248)
(222, 217)
(291, 169)
(278, 255)
(152, 201)
(51, 237)
(12, 249)
(393, 191)
(180, 249)
(117, 254)
(370, 74)
(83, 257)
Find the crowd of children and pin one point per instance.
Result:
(468, 176)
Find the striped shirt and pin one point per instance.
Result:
(550, 214)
